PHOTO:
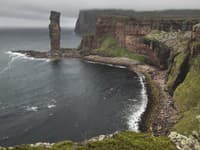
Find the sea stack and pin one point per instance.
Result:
(54, 30)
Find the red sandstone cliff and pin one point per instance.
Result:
(129, 33)
(55, 30)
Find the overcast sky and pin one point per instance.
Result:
(35, 13)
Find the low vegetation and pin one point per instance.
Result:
(109, 46)
(175, 70)
(196, 44)
(187, 98)
(126, 140)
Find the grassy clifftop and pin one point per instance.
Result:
(126, 140)
(187, 98)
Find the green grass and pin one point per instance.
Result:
(131, 141)
(65, 145)
(126, 140)
(109, 45)
(188, 122)
(187, 98)
(175, 70)
(196, 44)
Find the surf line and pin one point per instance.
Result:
(8, 66)
(135, 118)
(24, 56)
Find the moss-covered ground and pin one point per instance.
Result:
(196, 43)
(109, 45)
(187, 98)
(126, 140)
(175, 70)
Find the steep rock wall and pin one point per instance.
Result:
(86, 23)
(54, 30)
(129, 33)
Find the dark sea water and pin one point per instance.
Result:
(49, 101)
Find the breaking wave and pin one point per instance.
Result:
(14, 56)
(9, 64)
(32, 108)
(135, 118)
(23, 56)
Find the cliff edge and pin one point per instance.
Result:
(86, 22)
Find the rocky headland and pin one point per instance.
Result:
(166, 51)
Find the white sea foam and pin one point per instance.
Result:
(51, 106)
(111, 65)
(132, 99)
(14, 56)
(32, 108)
(135, 117)
(23, 56)
(9, 64)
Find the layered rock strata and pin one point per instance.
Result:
(130, 32)
(55, 30)
(86, 23)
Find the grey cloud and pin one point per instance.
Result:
(38, 10)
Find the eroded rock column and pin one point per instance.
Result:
(54, 30)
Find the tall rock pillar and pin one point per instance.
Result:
(54, 30)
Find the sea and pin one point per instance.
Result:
(49, 101)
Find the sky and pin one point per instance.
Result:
(35, 13)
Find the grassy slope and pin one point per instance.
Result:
(187, 94)
(109, 46)
(175, 70)
(124, 141)
(196, 43)
(187, 98)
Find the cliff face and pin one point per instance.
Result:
(86, 23)
(130, 32)
(187, 97)
(182, 82)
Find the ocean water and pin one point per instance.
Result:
(49, 101)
